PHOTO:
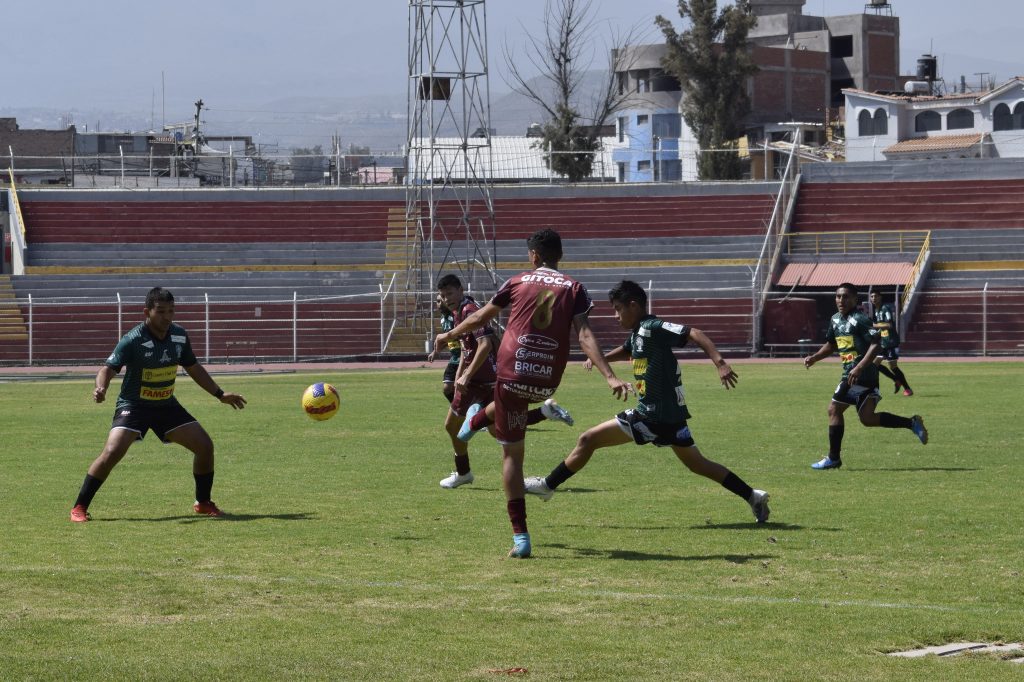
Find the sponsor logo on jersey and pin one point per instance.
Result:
(531, 393)
(159, 374)
(526, 354)
(537, 342)
(150, 393)
(178, 338)
(638, 343)
(672, 327)
(556, 280)
(533, 369)
(165, 357)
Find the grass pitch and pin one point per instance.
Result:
(343, 559)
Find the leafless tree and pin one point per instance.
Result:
(561, 57)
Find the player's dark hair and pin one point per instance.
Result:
(627, 291)
(547, 244)
(449, 280)
(850, 288)
(158, 295)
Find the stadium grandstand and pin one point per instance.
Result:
(304, 274)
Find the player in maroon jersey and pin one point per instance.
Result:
(544, 305)
(475, 376)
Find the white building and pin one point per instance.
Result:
(882, 127)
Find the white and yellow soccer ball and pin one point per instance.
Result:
(321, 401)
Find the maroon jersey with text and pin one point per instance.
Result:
(535, 346)
(487, 374)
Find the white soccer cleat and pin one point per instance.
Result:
(759, 505)
(535, 485)
(553, 410)
(456, 479)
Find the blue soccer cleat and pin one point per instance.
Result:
(827, 462)
(466, 431)
(917, 426)
(520, 546)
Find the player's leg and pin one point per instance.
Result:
(448, 382)
(882, 369)
(887, 420)
(452, 423)
(836, 430)
(901, 378)
(118, 441)
(512, 456)
(695, 461)
(477, 419)
(193, 437)
(604, 435)
(510, 429)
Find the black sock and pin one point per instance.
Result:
(885, 370)
(462, 464)
(835, 441)
(559, 475)
(204, 484)
(90, 486)
(735, 485)
(535, 416)
(900, 377)
(888, 420)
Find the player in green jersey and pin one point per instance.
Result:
(885, 323)
(852, 335)
(152, 352)
(661, 415)
(454, 351)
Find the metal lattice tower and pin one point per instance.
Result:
(449, 211)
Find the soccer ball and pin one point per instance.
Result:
(321, 401)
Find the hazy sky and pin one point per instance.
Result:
(70, 54)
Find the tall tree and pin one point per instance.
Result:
(712, 63)
(562, 58)
(308, 165)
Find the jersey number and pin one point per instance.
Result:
(543, 309)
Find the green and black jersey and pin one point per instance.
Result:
(454, 347)
(890, 337)
(852, 335)
(152, 365)
(658, 379)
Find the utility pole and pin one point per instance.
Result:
(195, 133)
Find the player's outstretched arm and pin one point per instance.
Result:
(614, 355)
(725, 373)
(592, 349)
(103, 379)
(206, 382)
(471, 323)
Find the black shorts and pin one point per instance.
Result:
(449, 373)
(661, 435)
(857, 394)
(162, 420)
(892, 353)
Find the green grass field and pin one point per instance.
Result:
(343, 559)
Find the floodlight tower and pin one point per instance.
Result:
(449, 215)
